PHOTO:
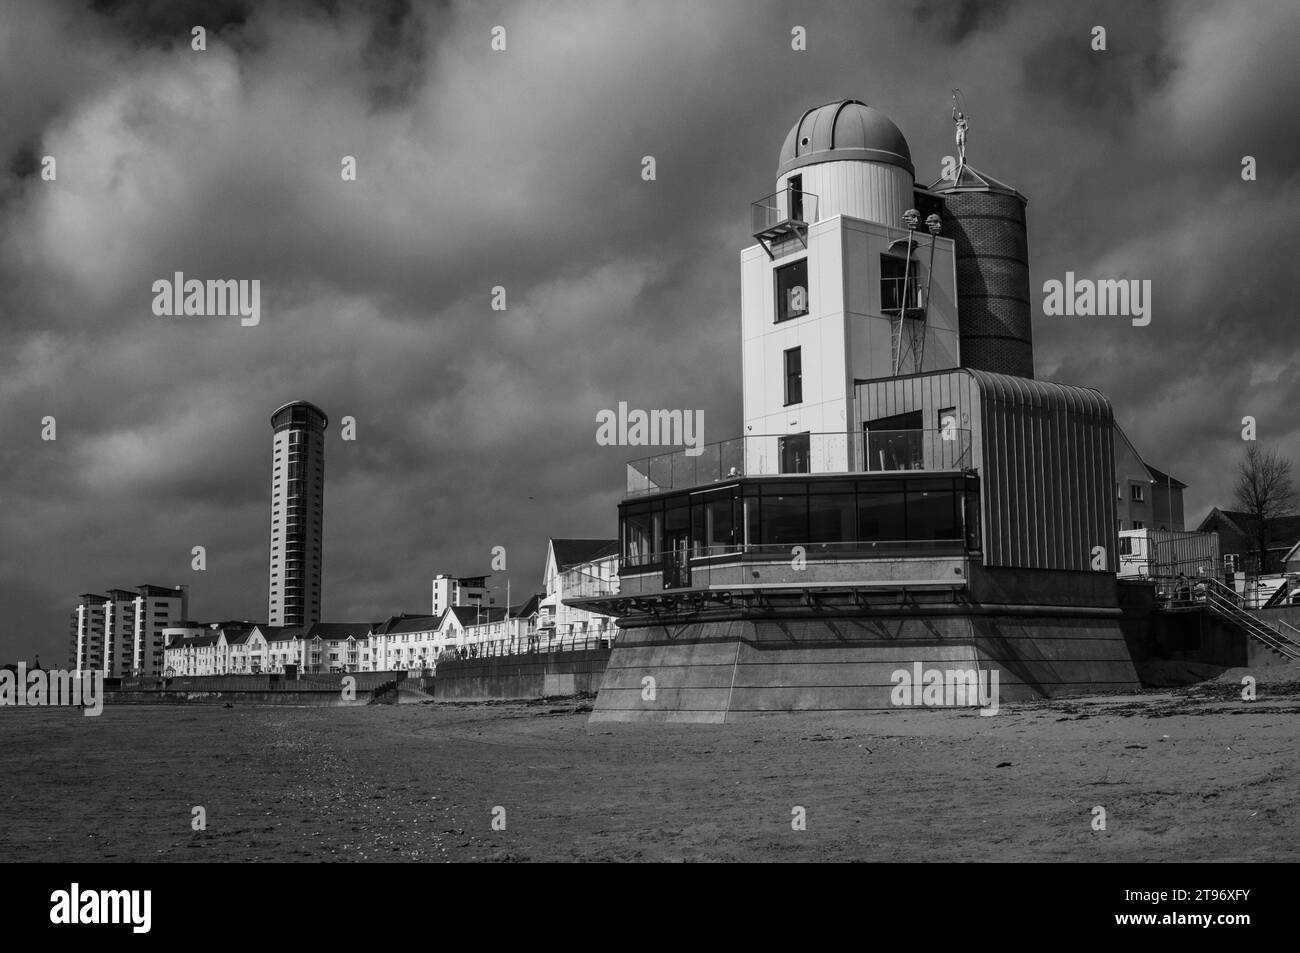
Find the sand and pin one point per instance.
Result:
(1193, 774)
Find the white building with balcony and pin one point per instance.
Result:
(576, 568)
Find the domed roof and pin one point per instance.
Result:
(844, 129)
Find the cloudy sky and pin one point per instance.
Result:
(476, 428)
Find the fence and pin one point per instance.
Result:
(331, 682)
(538, 644)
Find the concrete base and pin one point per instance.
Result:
(539, 675)
(717, 671)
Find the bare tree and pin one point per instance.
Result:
(1266, 491)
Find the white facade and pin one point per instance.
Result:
(560, 624)
(89, 652)
(831, 325)
(155, 609)
(450, 591)
(409, 643)
(503, 635)
(123, 633)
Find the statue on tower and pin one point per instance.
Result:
(959, 117)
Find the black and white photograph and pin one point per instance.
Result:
(653, 431)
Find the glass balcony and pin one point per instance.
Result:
(781, 217)
(782, 210)
(875, 451)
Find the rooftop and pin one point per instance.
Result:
(571, 552)
(844, 129)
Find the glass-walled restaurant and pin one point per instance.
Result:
(857, 515)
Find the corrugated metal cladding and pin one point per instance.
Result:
(1048, 474)
(867, 190)
(1045, 454)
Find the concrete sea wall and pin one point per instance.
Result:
(729, 670)
(507, 677)
(318, 690)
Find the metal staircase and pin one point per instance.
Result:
(1283, 639)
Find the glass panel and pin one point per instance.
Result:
(932, 514)
(720, 535)
(792, 290)
(972, 515)
(677, 516)
(785, 520)
(881, 517)
(832, 518)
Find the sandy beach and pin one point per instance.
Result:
(1193, 774)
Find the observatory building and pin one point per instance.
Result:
(904, 491)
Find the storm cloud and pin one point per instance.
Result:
(522, 169)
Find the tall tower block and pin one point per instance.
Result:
(297, 502)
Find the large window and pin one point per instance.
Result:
(899, 284)
(933, 510)
(713, 522)
(792, 290)
(784, 519)
(870, 514)
(793, 376)
(831, 512)
(640, 541)
(882, 512)
(895, 443)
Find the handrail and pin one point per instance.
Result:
(1223, 600)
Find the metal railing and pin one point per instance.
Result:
(876, 451)
(787, 205)
(775, 564)
(537, 645)
(582, 585)
(1210, 593)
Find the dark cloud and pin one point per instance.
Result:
(522, 169)
(955, 20)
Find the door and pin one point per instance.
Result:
(677, 564)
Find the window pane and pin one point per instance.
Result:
(793, 376)
(720, 533)
(785, 520)
(881, 517)
(794, 453)
(792, 290)
(677, 516)
(972, 515)
(932, 514)
(831, 518)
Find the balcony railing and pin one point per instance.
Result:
(788, 207)
(901, 294)
(877, 451)
(582, 585)
(734, 566)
